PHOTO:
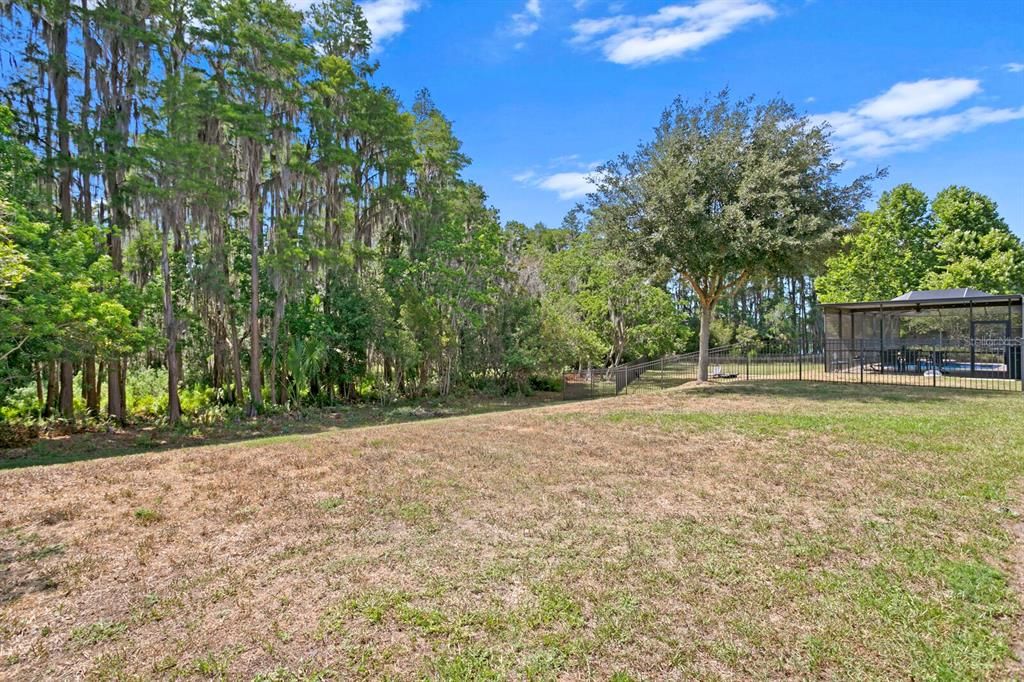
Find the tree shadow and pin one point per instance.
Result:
(148, 438)
(848, 392)
(141, 439)
(25, 572)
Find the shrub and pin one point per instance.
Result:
(17, 434)
(549, 383)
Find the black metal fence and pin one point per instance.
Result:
(989, 364)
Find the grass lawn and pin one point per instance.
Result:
(56, 448)
(759, 530)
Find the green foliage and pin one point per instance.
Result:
(904, 245)
(61, 299)
(146, 516)
(888, 254)
(727, 191)
(229, 201)
(599, 307)
(98, 632)
(973, 245)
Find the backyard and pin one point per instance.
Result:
(724, 532)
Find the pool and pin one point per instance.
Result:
(978, 366)
(954, 366)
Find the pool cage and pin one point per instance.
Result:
(960, 337)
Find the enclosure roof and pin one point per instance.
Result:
(939, 294)
(940, 298)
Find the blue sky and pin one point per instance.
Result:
(542, 90)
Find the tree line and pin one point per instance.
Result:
(223, 192)
(221, 197)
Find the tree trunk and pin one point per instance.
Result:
(101, 371)
(236, 358)
(124, 389)
(275, 328)
(114, 401)
(59, 77)
(67, 390)
(255, 385)
(39, 387)
(171, 330)
(90, 392)
(59, 74)
(85, 193)
(51, 388)
(707, 310)
(218, 376)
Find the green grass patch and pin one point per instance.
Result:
(146, 516)
(330, 503)
(98, 632)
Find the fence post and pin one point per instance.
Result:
(799, 364)
(748, 365)
(881, 340)
(862, 366)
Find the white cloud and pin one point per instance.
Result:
(906, 118)
(386, 18)
(571, 185)
(526, 22)
(919, 97)
(670, 32)
(568, 184)
(1014, 67)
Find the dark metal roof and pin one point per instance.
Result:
(940, 294)
(943, 300)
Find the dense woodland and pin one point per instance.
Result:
(211, 208)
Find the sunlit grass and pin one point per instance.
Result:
(742, 530)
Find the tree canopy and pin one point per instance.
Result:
(907, 243)
(727, 191)
(222, 199)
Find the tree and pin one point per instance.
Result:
(888, 253)
(904, 244)
(262, 62)
(602, 307)
(973, 245)
(727, 191)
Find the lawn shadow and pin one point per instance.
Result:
(140, 439)
(22, 574)
(848, 392)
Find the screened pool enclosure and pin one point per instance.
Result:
(949, 333)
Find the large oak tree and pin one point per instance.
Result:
(726, 191)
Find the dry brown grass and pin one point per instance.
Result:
(729, 533)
